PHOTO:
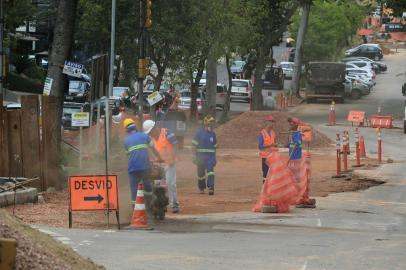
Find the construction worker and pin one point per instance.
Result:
(137, 145)
(165, 143)
(266, 141)
(205, 144)
(295, 141)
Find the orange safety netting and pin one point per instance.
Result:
(286, 184)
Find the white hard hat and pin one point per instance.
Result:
(147, 126)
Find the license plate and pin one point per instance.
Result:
(238, 94)
(69, 98)
(180, 125)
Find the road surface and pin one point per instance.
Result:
(356, 230)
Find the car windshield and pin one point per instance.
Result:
(238, 63)
(77, 86)
(70, 110)
(286, 65)
(239, 84)
(187, 94)
(118, 92)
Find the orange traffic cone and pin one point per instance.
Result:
(139, 219)
(362, 147)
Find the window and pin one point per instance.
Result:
(239, 84)
(220, 89)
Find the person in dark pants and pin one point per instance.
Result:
(137, 145)
(205, 143)
(266, 141)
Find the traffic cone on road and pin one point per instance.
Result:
(139, 219)
(362, 147)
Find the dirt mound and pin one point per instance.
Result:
(38, 251)
(242, 132)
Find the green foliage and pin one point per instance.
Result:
(330, 27)
(36, 73)
(16, 12)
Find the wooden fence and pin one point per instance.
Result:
(28, 141)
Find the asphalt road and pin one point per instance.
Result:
(354, 230)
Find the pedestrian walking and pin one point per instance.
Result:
(266, 142)
(205, 144)
(166, 144)
(137, 145)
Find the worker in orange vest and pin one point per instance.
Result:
(165, 143)
(266, 141)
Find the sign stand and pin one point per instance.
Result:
(93, 193)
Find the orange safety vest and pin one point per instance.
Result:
(164, 147)
(269, 139)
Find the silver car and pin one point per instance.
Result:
(355, 89)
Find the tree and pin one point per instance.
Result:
(273, 18)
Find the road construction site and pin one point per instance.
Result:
(359, 221)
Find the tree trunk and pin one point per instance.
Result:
(257, 99)
(195, 88)
(295, 85)
(226, 105)
(211, 86)
(60, 51)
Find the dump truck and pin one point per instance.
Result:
(325, 80)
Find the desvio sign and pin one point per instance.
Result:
(90, 192)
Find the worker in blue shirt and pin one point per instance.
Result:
(205, 144)
(137, 145)
(295, 142)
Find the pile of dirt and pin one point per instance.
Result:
(38, 251)
(242, 132)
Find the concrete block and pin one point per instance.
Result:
(29, 195)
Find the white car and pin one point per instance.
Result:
(220, 94)
(363, 65)
(361, 78)
(287, 68)
(241, 89)
(185, 100)
(237, 67)
(203, 79)
(367, 73)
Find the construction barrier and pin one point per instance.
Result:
(379, 146)
(381, 121)
(345, 150)
(332, 115)
(285, 185)
(362, 152)
(357, 153)
(356, 117)
(338, 156)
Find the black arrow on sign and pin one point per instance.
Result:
(97, 198)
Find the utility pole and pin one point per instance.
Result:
(1, 49)
(297, 67)
(144, 24)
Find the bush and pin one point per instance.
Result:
(36, 73)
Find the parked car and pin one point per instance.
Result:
(287, 68)
(380, 67)
(371, 51)
(220, 94)
(241, 90)
(122, 94)
(360, 78)
(185, 100)
(274, 78)
(237, 68)
(355, 89)
(203, 79)
(78, 91)
(149, 88)
(363, 65)
(368, 74)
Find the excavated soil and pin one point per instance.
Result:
(242, 132)
(37, 251)
(238, 184)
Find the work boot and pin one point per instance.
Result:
(211, 191)
(149, 209)
(269, 209)
(201, 191)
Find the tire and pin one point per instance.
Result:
(355, 94)
(376, 58)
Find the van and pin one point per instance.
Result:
(241, 90)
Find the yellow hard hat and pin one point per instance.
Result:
(127, 122)
(209, 120)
